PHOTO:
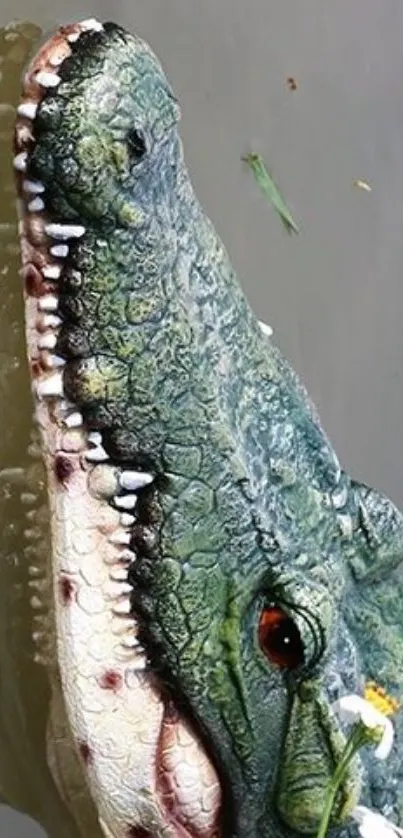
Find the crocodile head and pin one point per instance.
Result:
(218, 579)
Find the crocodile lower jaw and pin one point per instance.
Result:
(147, 773)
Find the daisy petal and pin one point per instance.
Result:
(373, 824)
(384, 748)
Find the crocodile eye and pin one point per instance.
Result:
(280, 639)
(136, 144)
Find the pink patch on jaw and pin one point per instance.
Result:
(85, 752)
(63, 468)
(110, 680)
(67, 589)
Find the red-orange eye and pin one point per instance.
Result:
(280, 639)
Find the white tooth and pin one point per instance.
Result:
(118, 574)
(64, 231)
(47, 341)
(51, 321)
(65, 405)
(56, 59)
(267, 330)
(52, 385)
(91, 23)
(56, 361)
(60, 250)
(141, 663)
(130, 641)
(96, 455)
(47, 79)
(116, 590)
(48, 302)
(122, 625)
(35, 187)
(37, 205)
(20, 161)
(127, 556)
(126, 520)
(123, 607)
(52, 271)
(74, 36)
(132, 480)
(120, 537)
(28, 109)
(125, 502)
(74, 420)
(95, 437)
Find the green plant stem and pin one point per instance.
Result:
(353, 744)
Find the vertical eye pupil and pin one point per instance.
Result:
(280, 639)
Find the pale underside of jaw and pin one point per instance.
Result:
(145, 768)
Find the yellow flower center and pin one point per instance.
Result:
(379, 698)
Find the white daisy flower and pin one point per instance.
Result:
(373, 825)
(354, 708)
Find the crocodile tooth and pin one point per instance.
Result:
(122, 624)
(95, 437)
(47, 341)
(73, 420)
(20, 161)
(27, 109)
(64, 231)
(130, 641)
(117, 589)
(48, 302)
(60, 250)
(47, 79)
(33, 570)
(125, 501)
(52, 385)
(120, 537)
(127, 556)
(118, 574)
(141, 663)
(96, 455)
(122, 607)
(55, 361)
(52, 271)
(56, 59)
(266, 329)
(37, 205)
(35, 187)
(132, 480)
(91, 23)
(126, 520)
(35, 602)
(51, 321)
(73, 36)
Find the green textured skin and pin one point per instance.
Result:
(166, 357)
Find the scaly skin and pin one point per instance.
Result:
(242, 506)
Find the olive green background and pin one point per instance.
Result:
(333, 294)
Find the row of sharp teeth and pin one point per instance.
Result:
(51, 385)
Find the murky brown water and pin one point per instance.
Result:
(334, 294)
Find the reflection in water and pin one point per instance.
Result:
(26, 701)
